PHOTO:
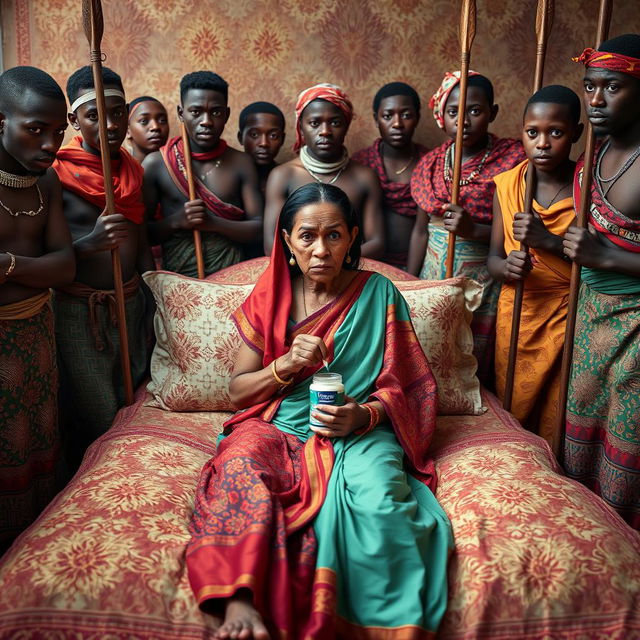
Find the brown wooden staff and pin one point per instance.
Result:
(467, 34)
(197, 240)
(604, 20)
(544, 21)
(93, 23)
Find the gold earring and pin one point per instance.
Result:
(348, 259)
(292, 260)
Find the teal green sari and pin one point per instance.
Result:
(380, 531)
(337, 537)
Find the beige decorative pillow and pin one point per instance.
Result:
(441, 314)
(196, 341)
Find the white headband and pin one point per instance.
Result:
(91, 95)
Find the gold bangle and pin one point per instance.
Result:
(279, 380)
(12, 265)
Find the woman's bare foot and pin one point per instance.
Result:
(241, 620)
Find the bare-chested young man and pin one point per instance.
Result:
(86, 327)
(394, 156)
(323, 115)
(35, 254)
(228, 208)
(602, 447)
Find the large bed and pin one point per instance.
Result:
(536, 555)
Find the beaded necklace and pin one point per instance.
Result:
(448, 163)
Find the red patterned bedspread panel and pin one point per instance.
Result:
(537, 555)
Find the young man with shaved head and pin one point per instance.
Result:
(35, 254)
(227, 209)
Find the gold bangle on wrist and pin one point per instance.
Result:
(279, 380)
(12, 264)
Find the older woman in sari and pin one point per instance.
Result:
(303, 531)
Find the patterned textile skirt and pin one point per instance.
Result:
(602, 448)
(29, 439)
(218, 252)
(91, 387)
(470, 261)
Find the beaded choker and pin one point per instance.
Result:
(14, 181)
(448, 164)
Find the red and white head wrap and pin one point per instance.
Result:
(439, 98)
(607, 60)
(324, 91)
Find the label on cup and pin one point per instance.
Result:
(335, 398)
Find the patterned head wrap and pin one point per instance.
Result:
(324, 91)
(612, 61)
(439, 98)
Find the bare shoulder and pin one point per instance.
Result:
(238, 158)
(152, 163)
(365, 176)
(49, 183)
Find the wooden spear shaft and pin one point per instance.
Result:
(467, 34)
(93, 28)
(604, 20)
(544, 21)
(197, 240)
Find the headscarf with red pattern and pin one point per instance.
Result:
(324, 91)
(439, 99)
(612, 61)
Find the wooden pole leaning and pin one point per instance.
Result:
(604, 20)
(93, 23)
(197, 239)
(544, 21)
(467, 34)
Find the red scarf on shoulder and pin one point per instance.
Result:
(173, 156)
(81, 173)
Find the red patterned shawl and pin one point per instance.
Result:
(396, 195)
(81, 173)
(430, 190)
(173, 156)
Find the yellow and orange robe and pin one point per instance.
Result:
(544, 310)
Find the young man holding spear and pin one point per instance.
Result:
(551, 125)
(227, 212)
(88, 340)
(484, 155)
(602, 447)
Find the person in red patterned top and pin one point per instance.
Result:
(393, 156)
(484, 156)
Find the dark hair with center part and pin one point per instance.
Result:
(557, 94)
(16, 82)
(314, 193)
(396, 89)
(203, 80)
(83, 79)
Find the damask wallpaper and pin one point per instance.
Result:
(271, 49)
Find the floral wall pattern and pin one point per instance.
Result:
(271, 49)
